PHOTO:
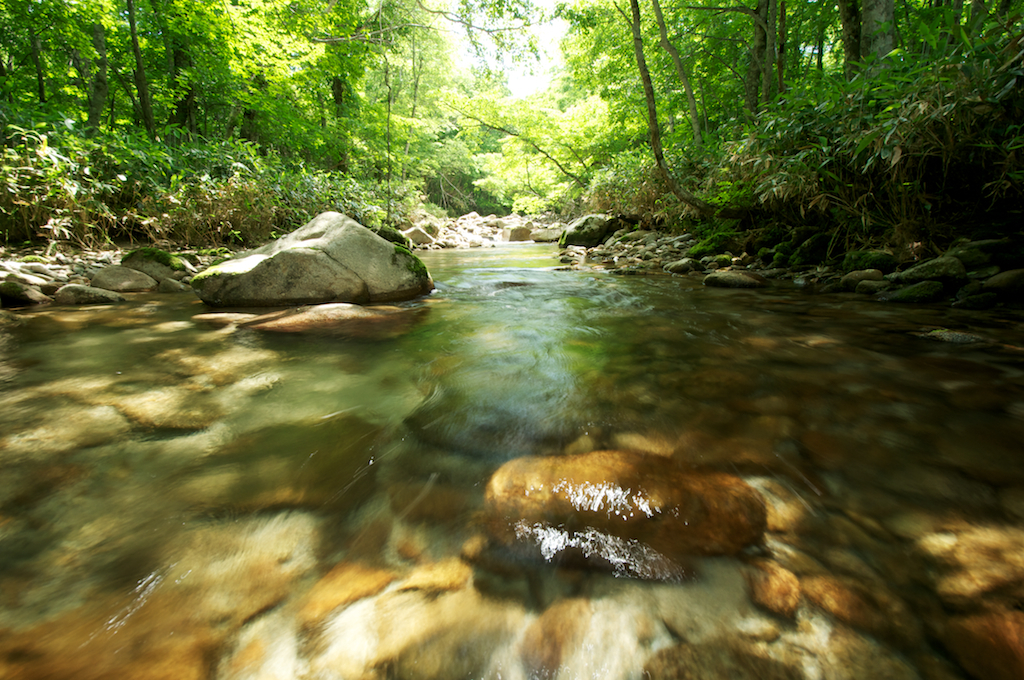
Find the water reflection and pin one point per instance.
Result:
(243, 505)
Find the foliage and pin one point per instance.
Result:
(64, 186)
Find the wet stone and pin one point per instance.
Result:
(717, 660)
(773, 587)
(637, 515)
(989, 645)
(734, 279)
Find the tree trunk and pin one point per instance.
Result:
(758, 45)
(141, 85)
(681, 72)
(37, 61)
(99, 88)
(652, 119)
(781, 59)
(768, 62)
(978, 15)
(878, 19)
(849, 16)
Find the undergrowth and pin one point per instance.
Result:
(60, 185)
(905, 154)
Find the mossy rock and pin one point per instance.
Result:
(783, 254)
(723, 260)
(813, 250)
(156, 255)
(855, 260)
(393, 235)
(714, 244)
(415, 264)
(214, 252)
(33, 258)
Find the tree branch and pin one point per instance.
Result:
(525, 140)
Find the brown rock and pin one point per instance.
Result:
(429, 501)
(773, 587)
(716, 660)
(873, 610)
(558, 630)
(344, 584)
(172, 408)
(161, 642)
(990, 645)
(970, 561)
(622, 506)
(449, 574)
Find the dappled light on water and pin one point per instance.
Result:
(541, 474)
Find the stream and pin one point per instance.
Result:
(187, 501)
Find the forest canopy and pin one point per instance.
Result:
(229, 122)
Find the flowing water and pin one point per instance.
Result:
(185, 501)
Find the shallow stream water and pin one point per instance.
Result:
(185, 501)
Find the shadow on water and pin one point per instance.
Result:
(197, 502)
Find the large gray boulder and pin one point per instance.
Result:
(331, 259)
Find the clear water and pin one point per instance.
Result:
(172, 495)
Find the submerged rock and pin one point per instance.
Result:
(330, 259)
(638, 514)
(989, 645)
(338, 318)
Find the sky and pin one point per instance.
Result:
(525, 79)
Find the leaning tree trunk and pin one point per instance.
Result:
(681, 72)
(652, 120)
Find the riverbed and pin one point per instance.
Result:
(180, 500)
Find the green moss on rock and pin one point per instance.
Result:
(415, 264)
(10, 288)
(856, 260)
(392, 234)
(33, 258)
(713, 244)
(156, 255)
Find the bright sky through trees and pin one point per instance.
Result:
(533, 76)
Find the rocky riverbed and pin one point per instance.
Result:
(188, 497)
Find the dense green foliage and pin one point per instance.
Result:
(795, 131)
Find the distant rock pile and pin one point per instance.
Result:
(474, 231)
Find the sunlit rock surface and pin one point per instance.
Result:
(638, 514)
(331, 259)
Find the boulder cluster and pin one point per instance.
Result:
(330, 259)
(94, 277)
(970, 274)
